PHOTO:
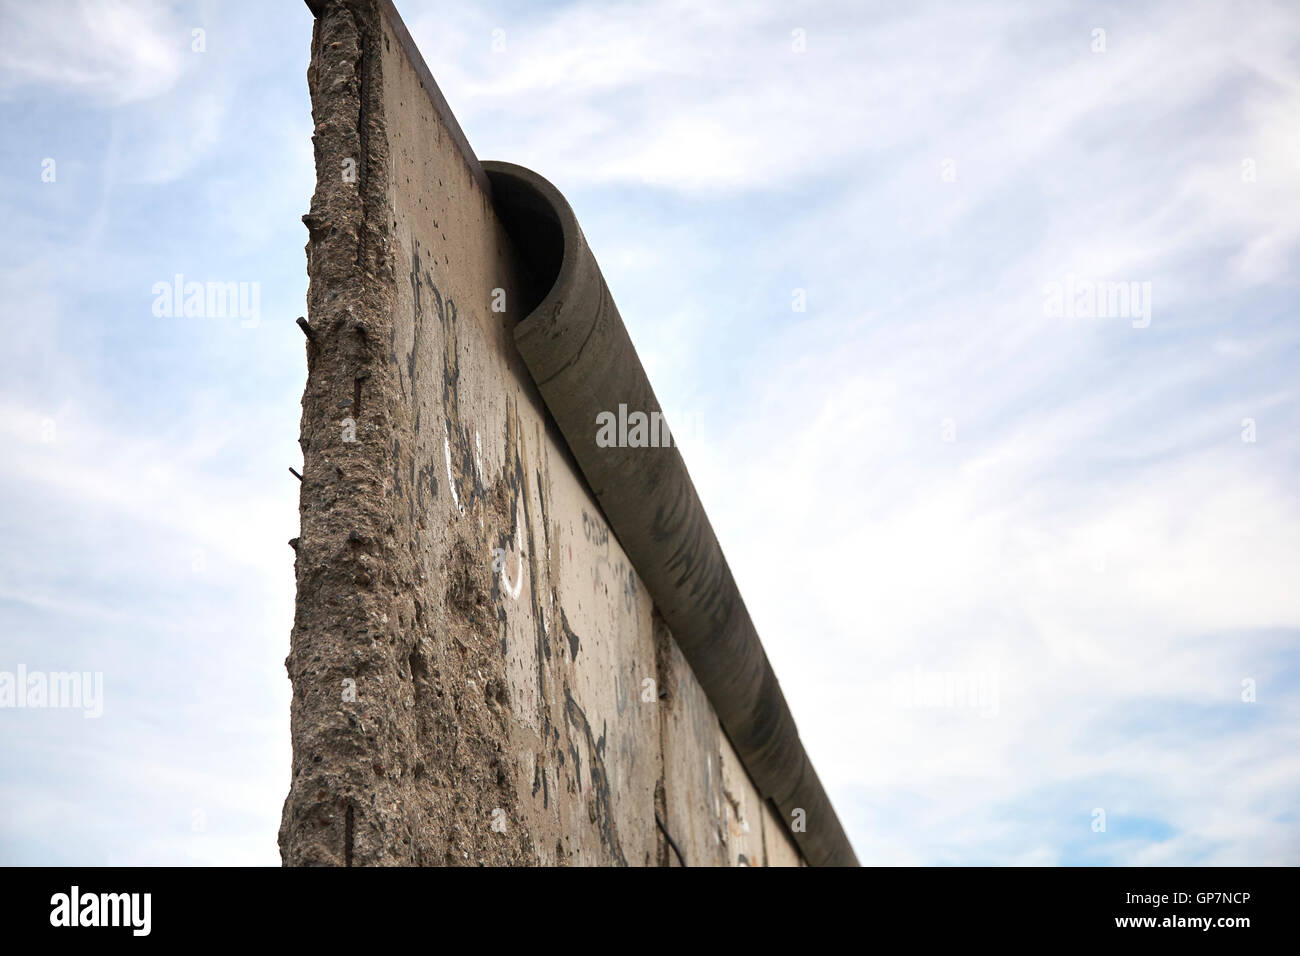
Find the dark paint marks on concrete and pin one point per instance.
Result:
(601, 807)
(570, 636)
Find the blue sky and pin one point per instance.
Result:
(923, 477)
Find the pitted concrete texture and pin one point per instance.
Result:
(479, 675)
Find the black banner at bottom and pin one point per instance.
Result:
(1162, 905)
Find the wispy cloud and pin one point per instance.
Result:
(937, 475)
(922, 475)
(108, 52)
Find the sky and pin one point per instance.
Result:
(976, 322)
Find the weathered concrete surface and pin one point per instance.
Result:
(479, 675)
(582, 359)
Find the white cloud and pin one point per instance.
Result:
(108, 52)
(1098, 536)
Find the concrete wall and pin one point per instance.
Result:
(479, 675)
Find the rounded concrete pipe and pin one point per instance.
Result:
(579, 354)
